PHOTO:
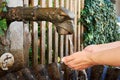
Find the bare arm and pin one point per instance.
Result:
(100, 47)
(107, 57)
(84, 59)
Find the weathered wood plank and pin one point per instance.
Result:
(34, 38)
(66, 4)
(73, 8)
(75, 22)
(55, 37)
(79, 25)
(50, 51)
(27, 37)
(42, 36)
(35, 44)
(71, 37)
(61, 45)
(82, 28)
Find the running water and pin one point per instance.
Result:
(72, 51)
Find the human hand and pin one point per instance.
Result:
(78, 61)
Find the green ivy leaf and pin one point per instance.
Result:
(88, 20)
(3, 26)
(98, 17)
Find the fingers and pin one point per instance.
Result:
(81, 66)
(70, 57)
(75, 64)
(67, 59)
(77, 61)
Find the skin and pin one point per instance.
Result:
(101, 47)
(102, 54)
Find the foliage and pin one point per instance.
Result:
(3, 6)
(99, 20)
(3, 26)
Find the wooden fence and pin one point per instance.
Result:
(47, 45)
(52, 46)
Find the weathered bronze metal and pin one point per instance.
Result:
(61, 17)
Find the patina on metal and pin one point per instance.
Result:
(61, 17)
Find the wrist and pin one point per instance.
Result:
(90, 57)
(93, 59)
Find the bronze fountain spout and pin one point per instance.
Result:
(60, 17)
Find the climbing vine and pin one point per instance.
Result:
(3, 26)
(99, 20)
(3, 23)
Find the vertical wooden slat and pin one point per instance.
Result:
(67, 50)
(25, 3)
(27, 38)
(79, 25)
(50, 36)
(82, 28)
(61, 36)
(71, 37)
(71, 47)
(73, 8)
(35, 44)
(75, 22)
(42, 36)
(55, 38)
(66, 4)
(34, 39)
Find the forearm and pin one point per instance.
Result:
(102, 47)
(107, 57)
(109, 45)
